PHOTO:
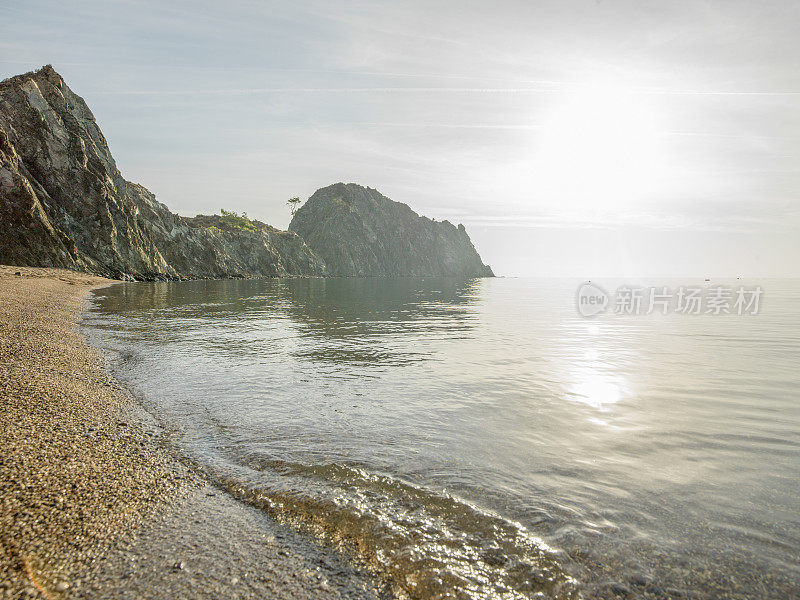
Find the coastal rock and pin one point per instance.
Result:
(64, 203)
(357, 231)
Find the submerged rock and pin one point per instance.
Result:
(357, 231)
(64, 203)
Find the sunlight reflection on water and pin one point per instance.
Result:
(636, 445)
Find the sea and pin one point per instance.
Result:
(482, 438)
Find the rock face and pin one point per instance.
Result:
(64, 203)
(356, 231)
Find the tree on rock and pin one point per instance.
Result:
(294, 204)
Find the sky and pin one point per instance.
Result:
(579, 138)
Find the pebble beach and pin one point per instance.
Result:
(94, 504)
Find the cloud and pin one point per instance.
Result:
(441, 105)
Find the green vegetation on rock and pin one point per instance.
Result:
(233, 220)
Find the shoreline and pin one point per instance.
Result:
(93, 504)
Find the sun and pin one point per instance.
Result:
(598, 149)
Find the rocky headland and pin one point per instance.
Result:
(358, 232)
(64, 203)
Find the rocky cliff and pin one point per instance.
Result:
(356, 231)
(63, 203)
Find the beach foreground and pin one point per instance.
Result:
(93, 505)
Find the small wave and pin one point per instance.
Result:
(423, 544)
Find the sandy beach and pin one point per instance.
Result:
(95, 505)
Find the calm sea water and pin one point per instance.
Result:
(479, 438)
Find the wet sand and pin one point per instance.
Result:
(93, 504)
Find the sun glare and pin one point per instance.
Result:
(598, 150)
